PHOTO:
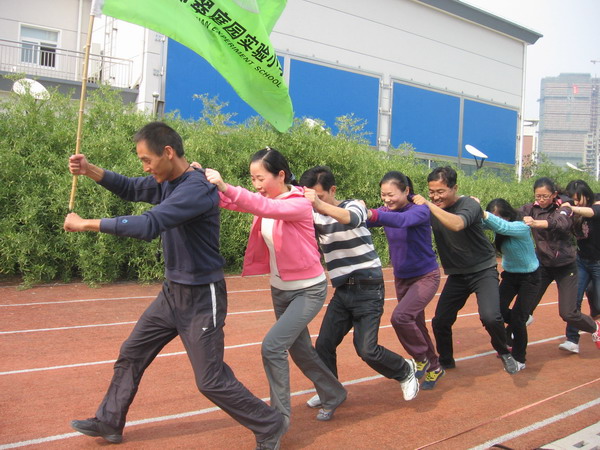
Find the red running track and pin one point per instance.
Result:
(58, 344)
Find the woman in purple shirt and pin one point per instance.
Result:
(416, 271)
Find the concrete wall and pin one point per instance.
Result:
(70, 17)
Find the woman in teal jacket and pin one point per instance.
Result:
(521, 275)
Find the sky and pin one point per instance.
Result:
(571, 39)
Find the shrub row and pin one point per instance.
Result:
(37, 136)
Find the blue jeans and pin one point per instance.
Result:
(588, 277)
(361, 307)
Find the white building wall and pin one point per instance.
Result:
(406, 40)
(63, 16)
(147, 50)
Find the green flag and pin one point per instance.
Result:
(232, 35)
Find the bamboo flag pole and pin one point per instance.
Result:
(84, 77)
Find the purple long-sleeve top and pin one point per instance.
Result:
(408, 232)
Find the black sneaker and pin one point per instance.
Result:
(510, 364)
(273, 442)
(93, 427)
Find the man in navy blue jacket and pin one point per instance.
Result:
(193, 300)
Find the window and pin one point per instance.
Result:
(38, 46)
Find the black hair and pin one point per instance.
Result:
(318, 175)
(274, 162)
(398, 179)
(507, 212)
(446, 174)
(580, 189)
(157, 136)
(547, 183)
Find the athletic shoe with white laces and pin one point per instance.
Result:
(569, 346)
(410, 386)
(314, 402)
(596, 335)
(520, 366)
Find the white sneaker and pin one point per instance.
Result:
(529, 320)
(410, 386)
(569, 346)
(520, 366)
(314, 402)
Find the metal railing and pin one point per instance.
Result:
(63, 64)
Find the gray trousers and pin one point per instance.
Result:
(294, 310)
(197, 315)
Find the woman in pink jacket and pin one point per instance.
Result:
(282, 242)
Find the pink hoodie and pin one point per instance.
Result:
(296, 249)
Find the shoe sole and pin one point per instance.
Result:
(574, 352)
(112, 438)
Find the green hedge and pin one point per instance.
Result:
(37, 136)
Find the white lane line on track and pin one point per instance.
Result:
(109, 299)
(214, 408)
(227, 277)
(537, 425)
(62, 302)
(74, 327)
(228, 347)
(256, 311)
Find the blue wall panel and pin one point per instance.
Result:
(189, 74)
(325, 93)
(428, 120)
(491, 129)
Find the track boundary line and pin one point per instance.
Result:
(235, 313)
(228, 347)
(516, 411)
(303, 392)
(538, 425)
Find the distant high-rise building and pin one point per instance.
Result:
(568, 129)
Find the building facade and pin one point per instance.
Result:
(46, 41)
(568, 128)
(434, 74)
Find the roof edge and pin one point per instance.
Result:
(484, 18)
